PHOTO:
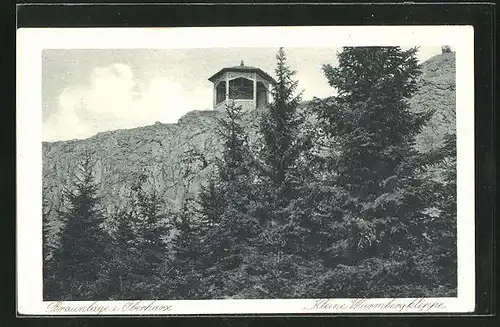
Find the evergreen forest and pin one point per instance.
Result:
(330, 202)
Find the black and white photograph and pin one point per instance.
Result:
(325, 174)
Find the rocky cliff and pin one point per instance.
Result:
(178, 157)
(436, 92)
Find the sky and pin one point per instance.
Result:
(85, 92)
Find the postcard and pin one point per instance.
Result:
(245, 170)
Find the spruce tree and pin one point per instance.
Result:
(212, 203)
(126, 254)
(49, 281)
(140, 260)
(375, 165)
(445, 228)
(438, 253)
(47, 247)
(284, 179)
(185, 275)
(280, 128)
(184, 278)
(147, 222)
(229, 201)
(81, 260)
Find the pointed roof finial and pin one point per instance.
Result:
(242, 63)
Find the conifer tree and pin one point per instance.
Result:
(81, 260)
(439, 247)
(375, 163)
(184, 278)
(140, 256)
(49, 282)
(149, 226)
(47, 248)
(212, 203)
(230, 203)
(446, 227)
(233, 170)
(280, 127)
(284, 186)
(126, 254)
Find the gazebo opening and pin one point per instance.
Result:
(220, 90)
(261, 94)
(241, 88)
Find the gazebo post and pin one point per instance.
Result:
(268, 90)
(254, 90)
(215, 95)
(227, 88)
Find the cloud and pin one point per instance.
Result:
(112, 98)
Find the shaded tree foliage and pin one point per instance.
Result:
(80, 262)
(376, 167)
(283, 180)
(229, 202)
(331, 201)
(139, 244)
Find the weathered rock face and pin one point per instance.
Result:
(436, 92)
(178, 158)
(159, 151)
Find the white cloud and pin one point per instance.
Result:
(113, 99)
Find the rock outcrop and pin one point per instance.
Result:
(436, 92)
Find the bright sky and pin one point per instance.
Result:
(89, 91)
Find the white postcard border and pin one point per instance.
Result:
(31, 42)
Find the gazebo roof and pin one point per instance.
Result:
(243, 68)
